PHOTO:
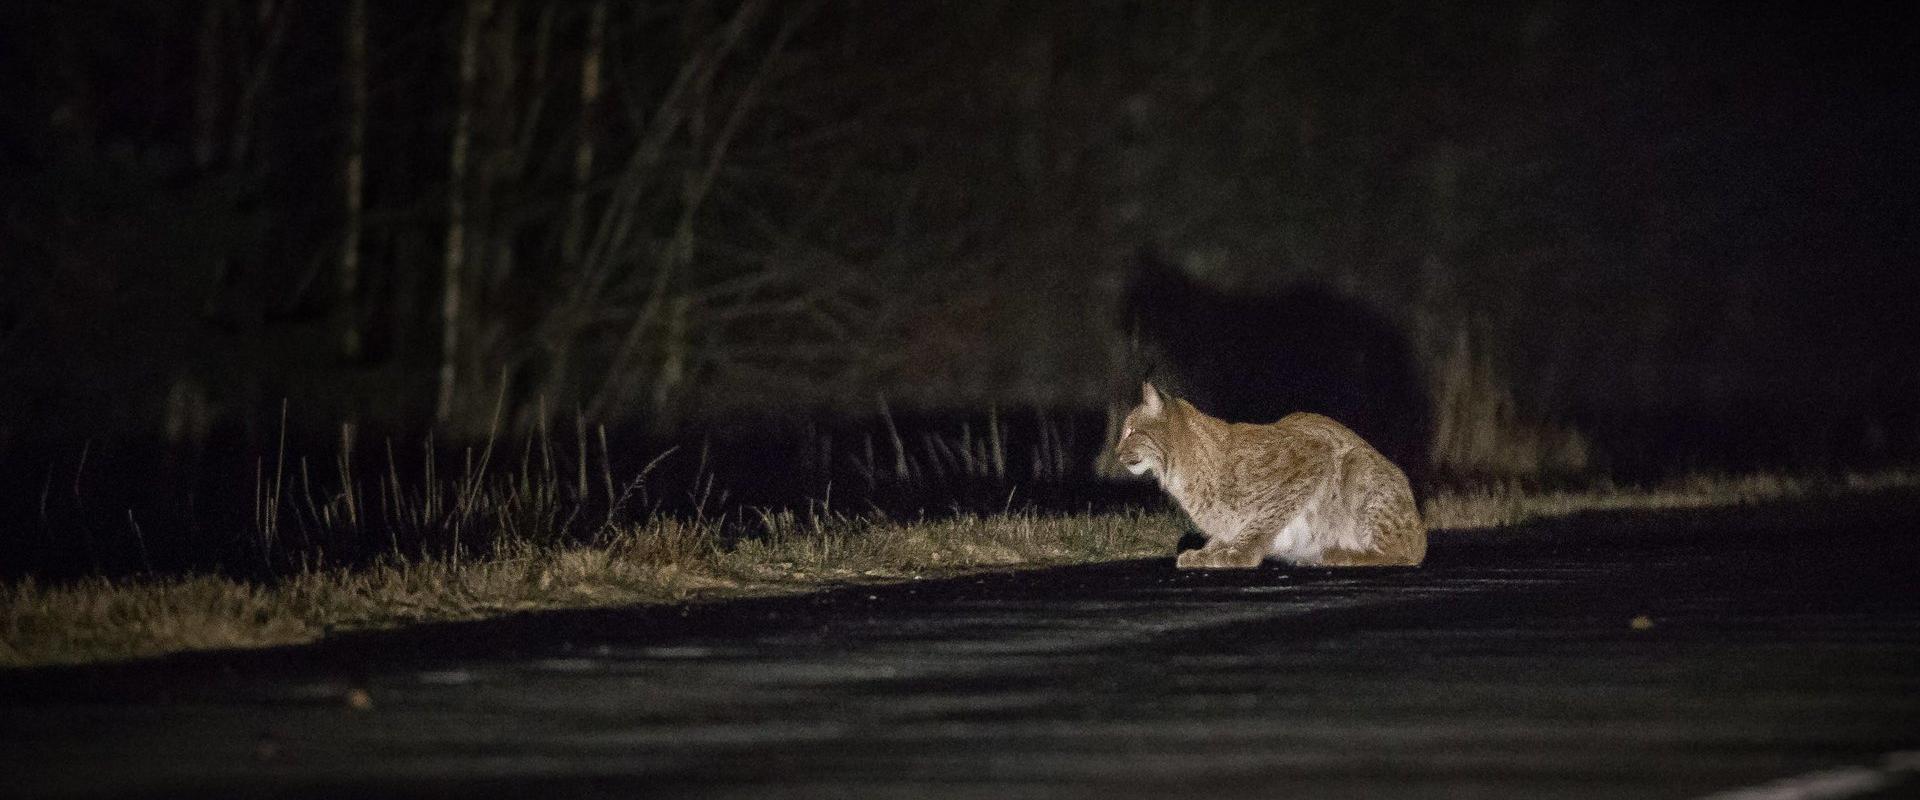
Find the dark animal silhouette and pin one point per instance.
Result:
(1258, 357)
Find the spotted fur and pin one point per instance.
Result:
(1305, 490)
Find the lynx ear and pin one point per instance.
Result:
(1150, 398)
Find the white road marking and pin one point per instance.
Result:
(1831, 784)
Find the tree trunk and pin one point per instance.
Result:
(589, 116)
(206, 100)
(355, 178)
(454, 274)
(272, 18)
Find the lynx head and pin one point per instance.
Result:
(1147, 437)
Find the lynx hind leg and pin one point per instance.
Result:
(1397, 535)
(1385, 513)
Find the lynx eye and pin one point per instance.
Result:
(1126, 432)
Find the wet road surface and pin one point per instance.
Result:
(1774, 650)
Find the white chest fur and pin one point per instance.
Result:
(1296, 540)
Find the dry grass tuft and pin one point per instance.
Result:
(844, 548)
(672, 560)
(662, 561)
(1507, 503)
(97, 619)
(1479, 428)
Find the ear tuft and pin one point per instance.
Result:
(1150, 398)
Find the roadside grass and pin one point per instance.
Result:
(1509, 503)
(673, 560)
(664, 560)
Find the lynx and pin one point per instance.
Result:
(1305, 490)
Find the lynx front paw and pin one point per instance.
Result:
(1217, 558)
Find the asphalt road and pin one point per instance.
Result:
(1777, 652)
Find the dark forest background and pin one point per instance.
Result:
(1513, 237)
